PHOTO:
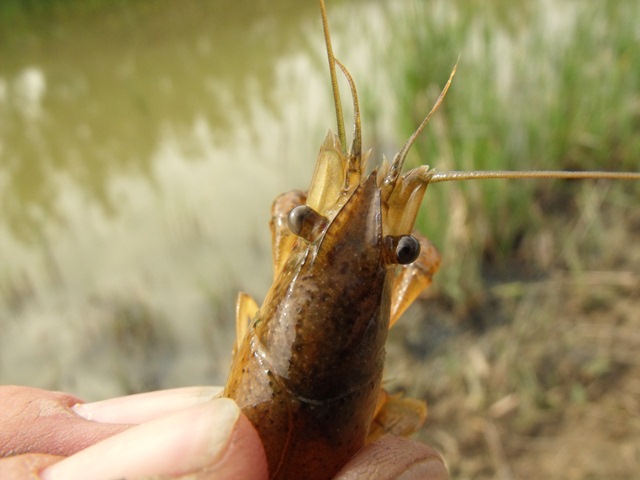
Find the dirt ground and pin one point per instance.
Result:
(541, 381)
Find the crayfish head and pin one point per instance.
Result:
(340, 193)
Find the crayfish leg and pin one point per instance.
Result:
(396, 415)
(412, 279)
(282, 238)
(246, 308)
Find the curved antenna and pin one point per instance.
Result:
(398, 160)
(356, 146)
(334, 79)
(488, 174)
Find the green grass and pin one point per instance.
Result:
(526, 96)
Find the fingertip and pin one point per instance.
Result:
(394, 457)
(245, 456)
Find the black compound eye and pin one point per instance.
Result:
(296, 218)
(306, 223)
(407, 250)
(402, 249)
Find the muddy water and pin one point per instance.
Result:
(141, 147)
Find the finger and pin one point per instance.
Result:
(135, 409)
(40, 421)
(212, 437)
(394, 457)
(25, 467)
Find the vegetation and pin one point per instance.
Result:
(538, 87)
(526, 342)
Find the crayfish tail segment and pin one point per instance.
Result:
(412, 279)
(246, 308)
(396, 415)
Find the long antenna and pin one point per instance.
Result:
(334, 79)
(488, 174)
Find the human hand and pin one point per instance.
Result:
(168, 434)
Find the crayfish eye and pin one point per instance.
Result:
(306, 223)
(402, 249)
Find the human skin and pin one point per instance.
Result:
(169, 434)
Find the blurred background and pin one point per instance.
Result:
(142, 143)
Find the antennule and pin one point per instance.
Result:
(334, 79)
(356, 146)
(398, 160)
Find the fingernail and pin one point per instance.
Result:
(431, 469)
(135, 409)
(177, 444)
